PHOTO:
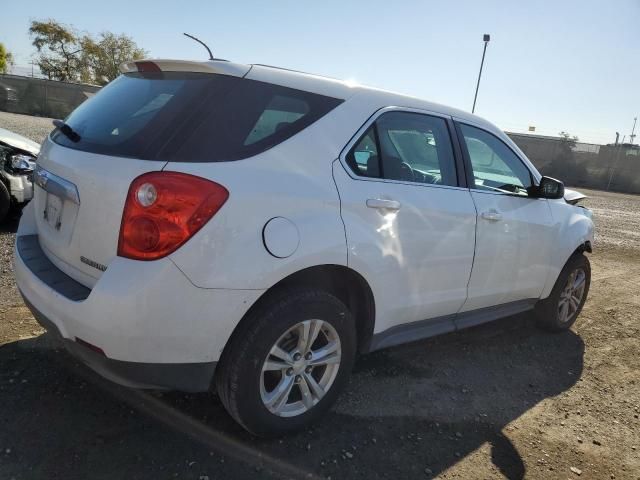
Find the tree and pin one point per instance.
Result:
(6, 59)
(104, 55)
(66, 55)
(58, 50)
(564, 165)
(568, 142)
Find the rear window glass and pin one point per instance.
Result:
(191, 117)
(280, 113)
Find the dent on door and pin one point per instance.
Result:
(414, 244)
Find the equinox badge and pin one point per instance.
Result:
(93, 264)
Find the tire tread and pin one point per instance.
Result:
(546, 309)
(227, 378)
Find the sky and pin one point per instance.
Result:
(563, 65)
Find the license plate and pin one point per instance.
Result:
(53, 211)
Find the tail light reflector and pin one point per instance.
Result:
(165, 209)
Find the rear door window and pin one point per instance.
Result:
(416, 148)
(406, 146)
(363, 157)
(191, 117)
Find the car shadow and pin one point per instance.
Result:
(415, 410)
(409, 412)
(56, 424)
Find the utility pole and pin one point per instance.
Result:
(486, 37)
(633, 130)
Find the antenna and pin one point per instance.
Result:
(202, 43)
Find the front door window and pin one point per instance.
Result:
(495, 167)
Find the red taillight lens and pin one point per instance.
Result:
(163, 210)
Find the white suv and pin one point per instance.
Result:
(254, 228)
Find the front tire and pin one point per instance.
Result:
(559, 311)
(288, 362)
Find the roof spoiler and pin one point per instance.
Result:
(221, 67)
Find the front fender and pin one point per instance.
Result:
(574, 229)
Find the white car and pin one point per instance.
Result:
(250, 228)
(17, 160)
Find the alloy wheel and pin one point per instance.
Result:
(300, 368)
(571, 295)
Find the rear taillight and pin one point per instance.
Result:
(163, 210)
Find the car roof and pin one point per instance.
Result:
(346, 89)
(309, 82)
(376, 98)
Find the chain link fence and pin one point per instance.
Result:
(40, 97)
(601, 167)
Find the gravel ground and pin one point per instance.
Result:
(618, 219)
(497, 401)
(35, 128)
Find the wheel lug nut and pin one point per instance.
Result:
(297, 357)
(308, 356)
(289, 371)
(308, 369)
(298, 378)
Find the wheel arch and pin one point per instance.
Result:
(574, 234)
(561, 259)
(343, 282)
(584, 247)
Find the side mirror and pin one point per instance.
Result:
(549, 188)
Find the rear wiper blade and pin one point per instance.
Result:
(69, 132)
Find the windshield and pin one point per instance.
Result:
(191, 117)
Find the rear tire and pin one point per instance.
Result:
(559, 311)
(269, 355)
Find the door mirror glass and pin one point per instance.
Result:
(550, 188)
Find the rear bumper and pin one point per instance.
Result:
(187, 377)
(155, 327)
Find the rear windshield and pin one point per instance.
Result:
(191, 117)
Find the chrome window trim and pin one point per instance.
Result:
(370, 121)
(526, 197)
(399, 182)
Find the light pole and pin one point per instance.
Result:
(486, 39)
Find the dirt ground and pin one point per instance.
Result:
(498, 401)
